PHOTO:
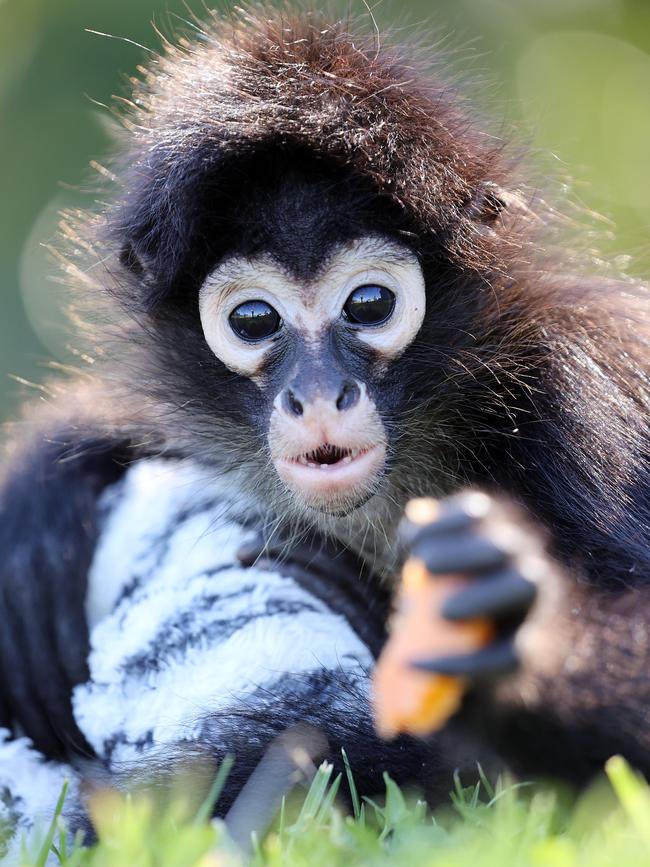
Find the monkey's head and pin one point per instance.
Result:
(308, 232)
(312, 308)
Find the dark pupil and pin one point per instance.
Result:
(369, 305)
(254, 320)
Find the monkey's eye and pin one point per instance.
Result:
(369, 305)
(254, 320)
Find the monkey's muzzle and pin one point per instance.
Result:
(330, 474)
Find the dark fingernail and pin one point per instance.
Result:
(460, 553)
(491, 596)
(496, 658)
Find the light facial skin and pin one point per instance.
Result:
(326, 438)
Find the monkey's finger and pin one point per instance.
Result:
(497, 658)
(303, 556)
(506, 593)
(311, 555)
(452, 515)
(459, 553)
(250, 550)
(304, 553)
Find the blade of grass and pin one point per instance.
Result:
(354, 794)
(632, 791)
(487, 784)
(283, 818)
(316, 793)
(46, 846)
(328, 800)
(204, 813)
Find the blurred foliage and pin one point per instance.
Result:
(573, 74)
(515, 825)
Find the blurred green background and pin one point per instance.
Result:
(574, 74)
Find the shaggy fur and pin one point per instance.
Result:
(280, 131)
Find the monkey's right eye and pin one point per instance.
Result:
(254, 320)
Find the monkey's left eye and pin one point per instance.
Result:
(254, 320)
(369, 305)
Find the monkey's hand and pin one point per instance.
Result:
(471, 577)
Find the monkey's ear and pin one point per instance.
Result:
(142, 267)
(487, 203)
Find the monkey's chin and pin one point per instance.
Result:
(335, 488)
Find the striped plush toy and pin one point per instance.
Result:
(192, 653)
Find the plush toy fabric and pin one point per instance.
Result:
(187, 645)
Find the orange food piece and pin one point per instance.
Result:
(419, 702)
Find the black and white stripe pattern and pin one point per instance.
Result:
(186, 644)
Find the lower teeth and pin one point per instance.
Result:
(352, 455)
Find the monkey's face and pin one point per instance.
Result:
(318, 349)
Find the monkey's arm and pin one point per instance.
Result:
(53, 472)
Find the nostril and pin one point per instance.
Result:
(292, 402)
(348, 396)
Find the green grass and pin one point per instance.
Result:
(512, 826)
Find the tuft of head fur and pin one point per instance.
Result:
(265, 81)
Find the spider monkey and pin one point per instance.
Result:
(320, 277)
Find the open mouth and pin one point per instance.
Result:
(323, 476)
(328, 455)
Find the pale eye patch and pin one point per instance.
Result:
(309, 306)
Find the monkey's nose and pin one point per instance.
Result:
(294, 402)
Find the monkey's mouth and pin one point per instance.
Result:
(332, 474)
(328, 455)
